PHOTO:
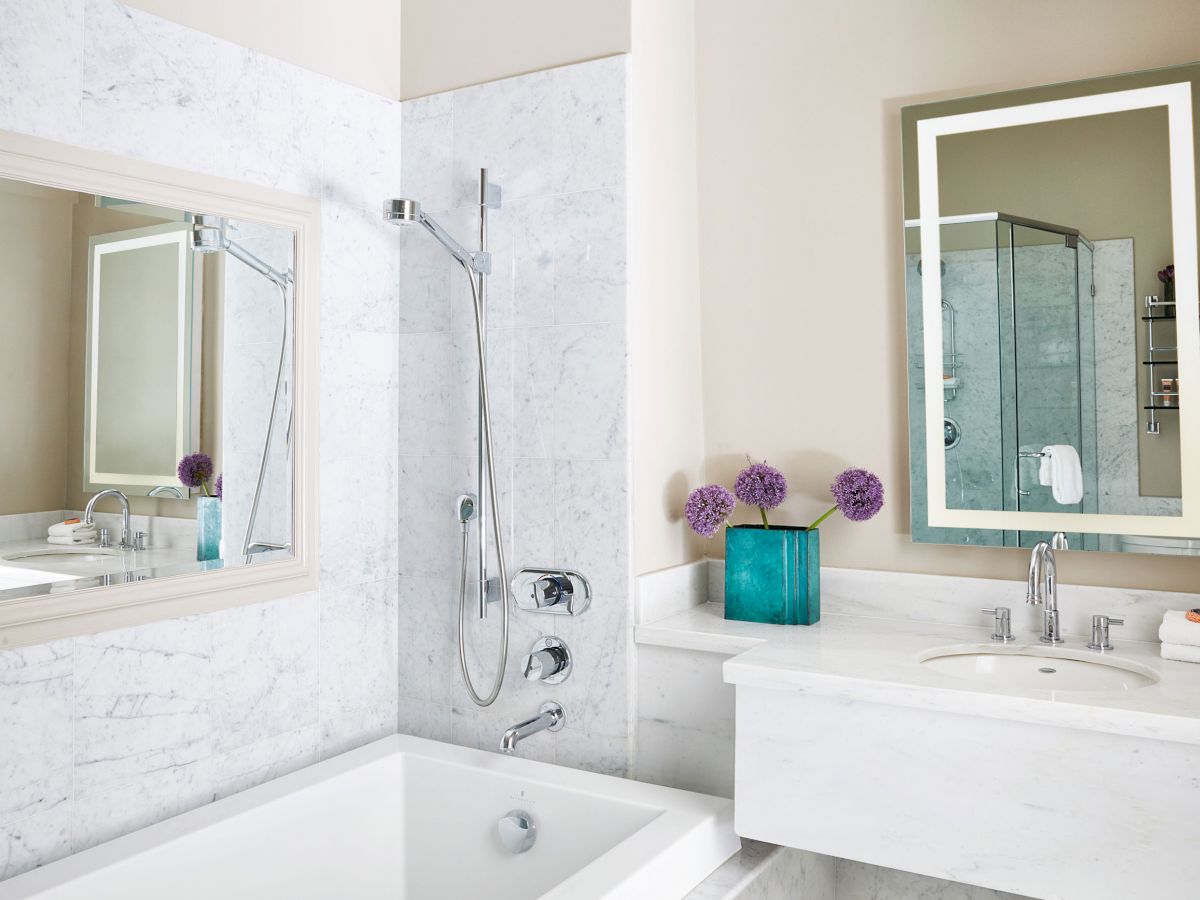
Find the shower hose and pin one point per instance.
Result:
(486, 437)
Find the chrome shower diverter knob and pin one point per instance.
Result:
(550, 590)
(549, 661)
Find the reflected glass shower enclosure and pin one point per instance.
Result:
(1018, 367)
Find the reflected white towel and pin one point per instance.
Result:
(65, 529)
(1176, 628)
(81, 538)
(1181, 652)
(1062, 472)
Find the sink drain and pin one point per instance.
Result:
(1047, 670)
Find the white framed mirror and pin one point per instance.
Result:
(161, 456)
(1039, 226)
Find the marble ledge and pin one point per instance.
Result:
(877, 660)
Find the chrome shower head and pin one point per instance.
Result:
(210, 234)
(401, 211)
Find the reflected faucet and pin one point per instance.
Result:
(1042, 586)
(126, 543)
(550, 718)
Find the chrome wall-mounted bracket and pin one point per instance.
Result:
(562, 592)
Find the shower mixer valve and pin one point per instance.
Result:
(560, 592)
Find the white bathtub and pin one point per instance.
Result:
(414, 819)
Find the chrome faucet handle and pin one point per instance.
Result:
(140, 540)
(105, 538)
(1100, 638)
(550, 590)
(548, 661)
(1002, 629)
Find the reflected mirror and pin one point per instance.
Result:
(1045, 376)
(137, 336)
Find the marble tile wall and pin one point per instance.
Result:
(555, 143)
(107, 733)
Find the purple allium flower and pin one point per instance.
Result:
(195, 469)
(707, 509)
(761, 485)
(858, 493)
(220, 487)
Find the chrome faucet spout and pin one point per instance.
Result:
(550, 718)
(1042, 587)
(126, 542)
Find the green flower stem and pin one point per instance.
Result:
(829, 512)
(762, 511)
(204, 486)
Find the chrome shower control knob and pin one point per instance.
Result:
(550, 590)
(548, 661)
(517, 830)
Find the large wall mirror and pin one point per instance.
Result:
(1053, 334)
(150, 418)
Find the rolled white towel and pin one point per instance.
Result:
(70, 529)
(1181, 652)
(1176, 628)
(82, 538)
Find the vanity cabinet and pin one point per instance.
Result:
(1035, 809)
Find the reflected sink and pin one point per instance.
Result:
(65, 554)
(1030, 669)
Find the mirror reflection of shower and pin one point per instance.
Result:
(210, 234)
(1018, 363)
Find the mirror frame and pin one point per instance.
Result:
(40, 618)
(1177, 97)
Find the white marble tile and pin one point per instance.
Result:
(360, 258)
(265, 668)
(263, 760)
(359, 524)
(608, 754)
(590, 258)
(599, 694)
(358, 675)
(35, 755)
(143, 726)
(426, 719)
(428, 127)
(590, 406)
(684, 758)
(428, 658)
(425, 278)
(685, 688)
(589, 103)
(362, 147)
(508, 128)
(523, 236)
(864, 882)
(41, 60)
(591, 532)
(672, 590)
(428, 531)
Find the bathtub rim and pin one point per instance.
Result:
(667, 854)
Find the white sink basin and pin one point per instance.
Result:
(65, 554)
(1029, 668)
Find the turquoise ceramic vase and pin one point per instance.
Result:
(208, 528)
(773, 574)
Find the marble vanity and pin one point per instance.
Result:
(876, 737)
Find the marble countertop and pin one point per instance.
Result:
(878, 660)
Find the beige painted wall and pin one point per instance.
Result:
(355, 41)
(35, 259)
(801, 250)
(667, 397)
(451, 43)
